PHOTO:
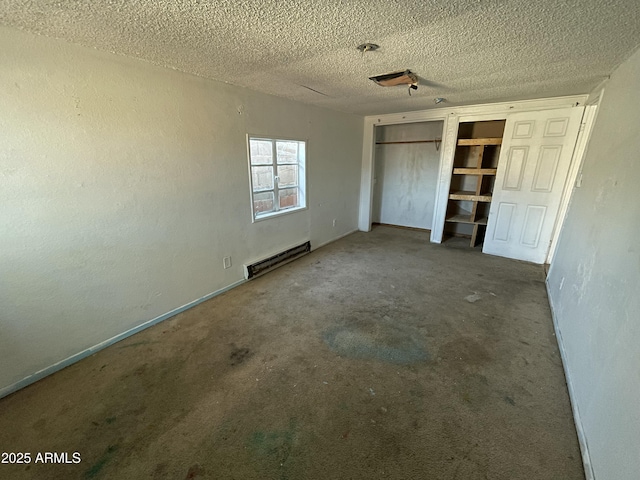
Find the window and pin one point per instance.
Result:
(277, 170)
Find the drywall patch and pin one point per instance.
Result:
(584, 271)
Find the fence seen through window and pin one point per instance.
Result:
(277, 176)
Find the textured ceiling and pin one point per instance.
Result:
(467, 51)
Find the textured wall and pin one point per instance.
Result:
(594, 283)
(124, 184)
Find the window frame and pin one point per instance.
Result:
(300, 185)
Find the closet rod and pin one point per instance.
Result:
(410, 141)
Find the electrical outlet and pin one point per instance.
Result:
(226, 262)
(334, 222)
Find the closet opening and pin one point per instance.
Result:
(406, 168)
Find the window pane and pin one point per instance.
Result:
(288, 197)
(261, 152)
(287, 175)
(262, 178)
(287, 152)
(262, 203)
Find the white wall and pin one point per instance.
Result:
(594, 283)
(406, 175)
(122, 186)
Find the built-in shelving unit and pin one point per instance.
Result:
(472, 180)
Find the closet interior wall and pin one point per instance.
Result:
(407, 160)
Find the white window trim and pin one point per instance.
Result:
(302, 190)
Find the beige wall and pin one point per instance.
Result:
(123, 185)
(594, 283)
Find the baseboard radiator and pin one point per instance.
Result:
(265, 265)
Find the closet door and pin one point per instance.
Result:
(536, 153)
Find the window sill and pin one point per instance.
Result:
(281, 213)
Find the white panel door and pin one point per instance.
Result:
(534, 161)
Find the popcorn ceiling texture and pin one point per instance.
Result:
(467, 51)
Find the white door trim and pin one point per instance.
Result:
(448, 150)
(574, 178)
(366, 178)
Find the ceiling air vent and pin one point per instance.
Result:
(401, 77)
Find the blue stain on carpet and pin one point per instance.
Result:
(377, 341)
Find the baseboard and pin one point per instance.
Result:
(8, 390)
(333, 239)
(582, 440)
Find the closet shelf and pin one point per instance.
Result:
(474, 171)
(470, 196)
(472, 181)
(466, 218)
(479, 141)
